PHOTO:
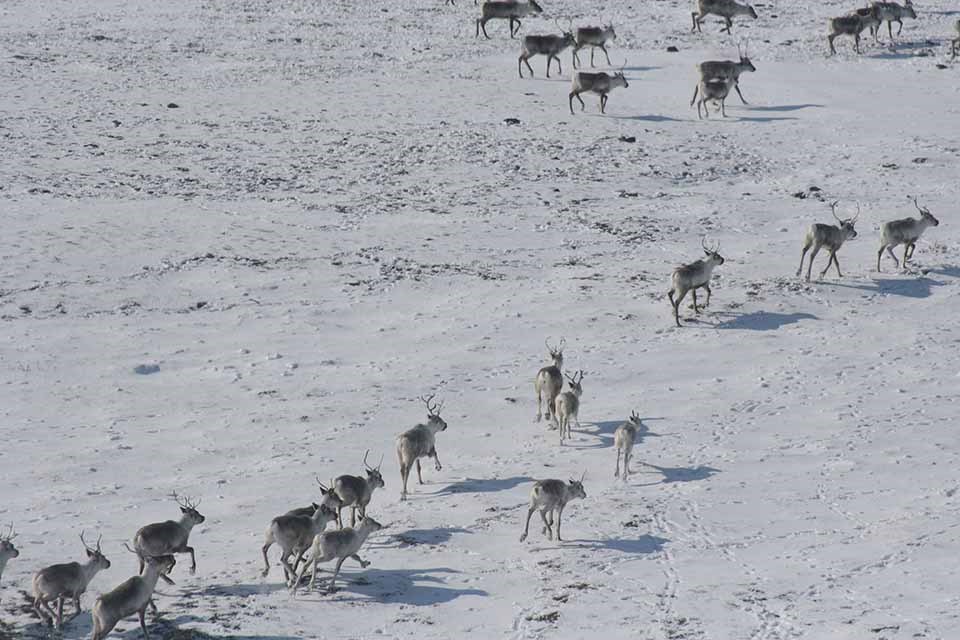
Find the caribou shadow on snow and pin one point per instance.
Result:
(236, 590)
(403, 586)
(786, 107)
(642, 545)
(479, 485)
(762, 320)
(683, 474)
(413, 537)
(909, 288)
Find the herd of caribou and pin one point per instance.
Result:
(302, 533)
(717, 77)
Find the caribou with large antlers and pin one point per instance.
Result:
(61, 581)
(420, 442)
(693, 276)
(905, 231)
(169, 537)
(355, 491)
(549, 380)
(830, 236)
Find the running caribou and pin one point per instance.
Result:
(61, 581)
(340, 545)
(169, 537)
(132, 596)
(420, 442)
(356, 491)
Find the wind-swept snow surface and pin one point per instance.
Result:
(241, 238)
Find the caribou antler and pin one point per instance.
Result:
(634, 416)
(917, 205)
(833, 210)
(433, 409)
(184, 501)
(319, 482)
(88, 547)
(10, 534)
(365, 460)
(854, 218)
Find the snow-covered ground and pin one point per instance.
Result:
(293, 218)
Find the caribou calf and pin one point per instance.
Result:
(714, 90)
(340, 544)
(905, 231)
(294, 534)
(724, 70)
(830, 236)
(690, 277)
(599, 83)
(420, 442)
(549, 496)
(567, 405)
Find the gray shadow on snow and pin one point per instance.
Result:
(764, 119)
(913, 288)
(952, 272)
(239, 590)
(413, 537)
(479, 485)
(643, 544)
(682, 474)
(164, 629)
(604, 432)
(785, 107)
(650, 118)
(404, 586)
(761, 320)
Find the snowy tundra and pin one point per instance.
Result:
(241, 238)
